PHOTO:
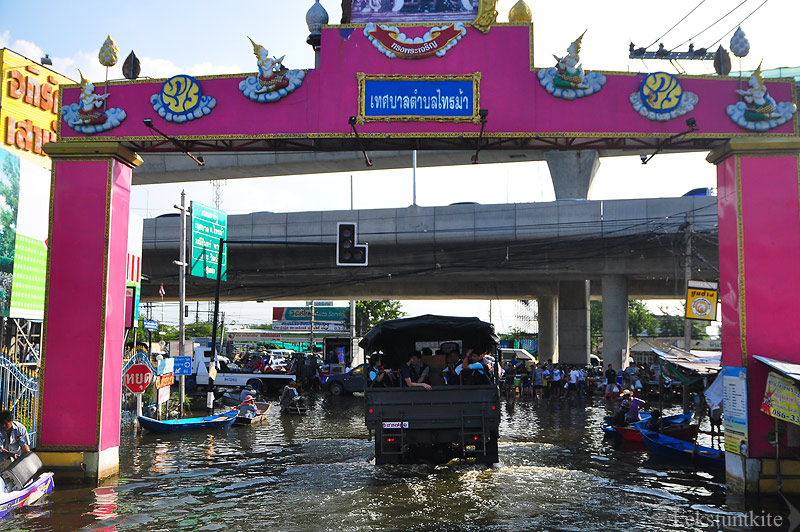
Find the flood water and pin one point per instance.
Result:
(557, 473)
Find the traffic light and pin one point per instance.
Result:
(348, 252)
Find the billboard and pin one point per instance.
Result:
(25, 198)
(29, 111)
(363, 11)
(29, 106)
(341, 314)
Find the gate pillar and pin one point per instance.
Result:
(83, 335)
(758, 206)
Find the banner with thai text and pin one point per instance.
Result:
(781, 399)
(734, 408)
(418, 98)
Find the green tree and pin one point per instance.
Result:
(672, 325)
(9, 192)
(369, 313)
(640, 320)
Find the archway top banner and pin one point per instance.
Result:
(434, 96)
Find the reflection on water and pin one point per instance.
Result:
(316, 473)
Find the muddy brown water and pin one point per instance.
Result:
(314, 473)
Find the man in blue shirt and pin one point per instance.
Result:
(412, 373)
(14, 438)
(474, 369)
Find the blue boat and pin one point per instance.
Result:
(677, 419)
(683, 453)
(220, 421)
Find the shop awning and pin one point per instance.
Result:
(703, 366)
(788, 369)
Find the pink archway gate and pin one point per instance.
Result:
(92, 177)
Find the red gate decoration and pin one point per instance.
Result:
(387, 39)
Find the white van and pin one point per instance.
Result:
(507, 354)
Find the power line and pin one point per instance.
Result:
(740, 22)
(676, 24)
(712, 24)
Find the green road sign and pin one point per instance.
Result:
(208, 226)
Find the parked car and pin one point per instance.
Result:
(342, 383)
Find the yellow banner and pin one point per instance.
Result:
(781, 399)
(701, 304)
(29, 106)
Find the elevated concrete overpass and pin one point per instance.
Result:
(559, 253)
(458, 251)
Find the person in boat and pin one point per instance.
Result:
(621, 415)
(290, 398)
(380, 377)
(248, 407)
(635, 405)
(656, 422)
(246, 392)
(14, 439)
(411, 373)
(475, 369)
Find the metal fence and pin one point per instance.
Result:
(19, 392)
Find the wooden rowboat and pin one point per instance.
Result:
(263, 410)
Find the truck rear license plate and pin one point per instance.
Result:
(394, 424)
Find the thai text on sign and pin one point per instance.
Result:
(30, 105)
(445, 98)
(781, 399)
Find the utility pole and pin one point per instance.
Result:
(181, 262)
(687, 323)
(353, 346)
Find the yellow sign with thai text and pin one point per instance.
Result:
(29, 106)
(701, 304)
(781, 399)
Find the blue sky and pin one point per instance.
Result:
(210, 37)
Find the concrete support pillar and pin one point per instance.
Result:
(573, 322)
(572, 172)
(84, 325)
(548, 328)
(615, 319)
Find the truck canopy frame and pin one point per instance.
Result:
(396, 339)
